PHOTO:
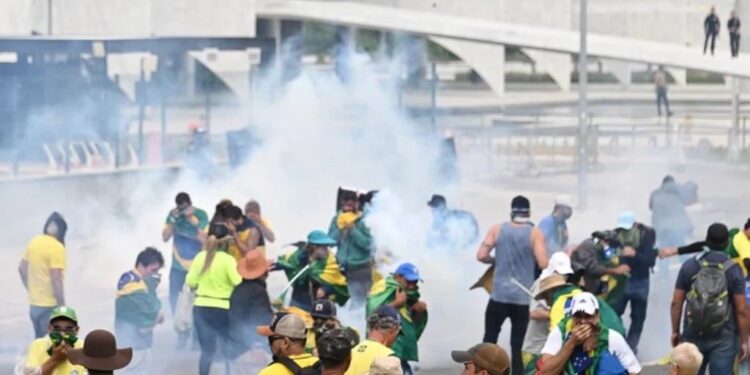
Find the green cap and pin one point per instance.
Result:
(63, 312)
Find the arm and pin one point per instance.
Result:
(486, 247)
(250, 243)
(23, 270)
(166, 233)
(191, 279)
(361, 236)
(554, 364)
(265, 231)
(676, 314)
(539, 314)
(56, 275)
(539, 247)
(740, 310)
(334, 231)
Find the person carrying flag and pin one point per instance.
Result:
(401, 291)
(313, 272)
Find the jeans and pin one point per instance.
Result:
(40, 319)
(661, 97)
(637, 294)
(212, 325)
(176, 281)
(711, 36)
(734, 43)
(359, 281)
(718, 352)
(495, 316)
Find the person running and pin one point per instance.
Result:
(335, 350)
(581, 344)
(711, 288)
(250, 305)
(733, 25)
(49, 355)
(520, 250)
(186, 225)
(355, 247)
(383, 327)
(711, 27)
(213, 274)
(639, 253)
(686, 359)
(660, 81)
(401, 291)
(252, 212)
(100, 355)
(554, 226)
(669, 215)
(483, 359)
(138, 309)
(41, 268)
(322, 280)
(286, 336)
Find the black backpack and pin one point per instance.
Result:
(315, 369)
(708, 308)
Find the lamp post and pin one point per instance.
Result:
(583, 141)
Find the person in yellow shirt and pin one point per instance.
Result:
(741, 243)
(287, 336)
(49, 355)
(213, 275)
(41, 270)
(383, 327)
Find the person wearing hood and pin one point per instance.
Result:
(42, 268)
(355, 244)
(401, 291)
(554, 226)
(519, 253)
(669, 216)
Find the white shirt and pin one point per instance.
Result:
(618, 347)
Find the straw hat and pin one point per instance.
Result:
(550, 282)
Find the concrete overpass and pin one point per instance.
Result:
(456, 32)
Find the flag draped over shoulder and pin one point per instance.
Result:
(383, 292)
(322, 272)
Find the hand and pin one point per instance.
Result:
(419, 307)
(622, 269)
(231, 228)
(320, 293)
(188, 211)
(667, 252)
(580, 334)
(60, 353)
(628, 251)
(175, 213)
(743, 351)
(255, 217)
(676, 339)
(400, 299)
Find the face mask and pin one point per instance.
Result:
(58, 338)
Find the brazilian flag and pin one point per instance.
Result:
(322, 272)
(384, 292)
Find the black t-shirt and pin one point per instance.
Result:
(735, 280)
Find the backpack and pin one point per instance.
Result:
(707, 308)
(292, 366)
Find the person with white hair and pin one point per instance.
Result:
(581, 344)
(686, 359)
(554, 226)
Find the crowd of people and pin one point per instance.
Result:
(565, 301)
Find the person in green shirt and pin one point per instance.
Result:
(213, 275)
(401, 291)
(355, 244)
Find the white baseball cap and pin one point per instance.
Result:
(564, 200)
(559, 263)
(584, 302)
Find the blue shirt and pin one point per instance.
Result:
(555, 234)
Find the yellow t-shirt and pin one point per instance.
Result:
(215, 286)
(38, 355)
(364, 354)
(302, 360)
(43, 253)
(742, 245)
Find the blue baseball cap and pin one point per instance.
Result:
(626, 220)
(318, 237)
(388, 311)
(408, 271)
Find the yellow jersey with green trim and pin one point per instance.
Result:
(364, 354)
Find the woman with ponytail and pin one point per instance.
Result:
(213, 274)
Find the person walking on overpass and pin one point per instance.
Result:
(519, 253)
(660, 81)
(733, 25)
(711, 27)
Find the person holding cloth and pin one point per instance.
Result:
(49, 355)
(213, 274)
